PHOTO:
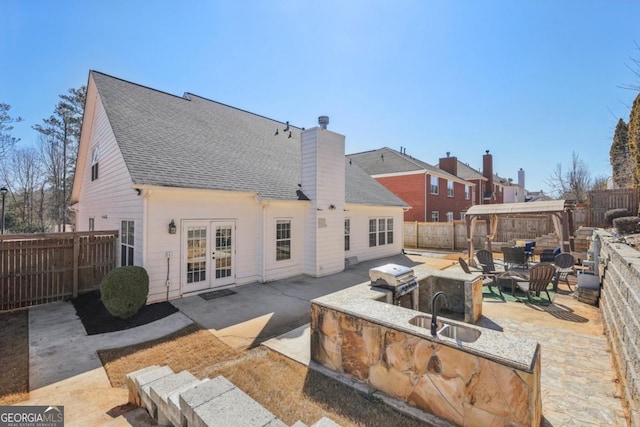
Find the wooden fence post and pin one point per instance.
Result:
(76, 255)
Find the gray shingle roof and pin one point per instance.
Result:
(467, 172)
(387, 160)
(193, 142)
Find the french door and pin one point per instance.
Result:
(209, 256)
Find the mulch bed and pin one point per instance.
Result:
(97, 320)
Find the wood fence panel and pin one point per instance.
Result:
(41, 268)
(523, 227)
(601, 201)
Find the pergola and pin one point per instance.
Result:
(559, 210)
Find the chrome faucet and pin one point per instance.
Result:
(434, 311)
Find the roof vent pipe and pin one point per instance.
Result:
(323, 121)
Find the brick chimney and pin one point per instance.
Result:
(449, 164)
(521, 178)
(487, 172)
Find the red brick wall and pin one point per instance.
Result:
(409, 188)
(442, 203)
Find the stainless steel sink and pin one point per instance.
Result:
(448, 330)
(459, 333)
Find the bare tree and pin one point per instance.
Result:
(574, 183)
(23, 173)
(6, 140)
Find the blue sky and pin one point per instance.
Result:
(531, 81)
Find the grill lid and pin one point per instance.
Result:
(391, 275)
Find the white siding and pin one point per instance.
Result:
(295, 212)
(323, 181)
(360, 215)
(110, 198)
(184, 205)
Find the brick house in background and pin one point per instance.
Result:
(489, 188)
(434, 194)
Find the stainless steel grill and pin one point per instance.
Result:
(400, 280)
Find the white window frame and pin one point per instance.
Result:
(449, 216)
(92, 224)
(435, 188)
(283, 236)
(467, 192)
(380, 231)
(462, 216)
(435, 216)
(347, 234)
(95, 152)
(449, 188)
(127, 242)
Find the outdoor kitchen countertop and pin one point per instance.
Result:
(368, 303)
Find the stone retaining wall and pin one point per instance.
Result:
(620, 305)
(452, 384)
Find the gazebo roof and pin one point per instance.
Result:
(543, 207)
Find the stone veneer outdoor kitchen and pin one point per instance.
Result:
(494, 380)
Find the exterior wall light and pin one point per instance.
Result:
(172, 227)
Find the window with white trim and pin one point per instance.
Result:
(449, 188)
(462, 215)
(380, 231)
(92, 224)
(283, 239)
(127, 238)
(435, 216)
(467, 192)
(347, 234)
(449, 216)
(434, 184)
(94, 163)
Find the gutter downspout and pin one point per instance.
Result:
(426, 189)
(264, 249)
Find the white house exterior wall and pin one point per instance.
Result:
(110, 198)
(295, 212)
(359, 216)
(323, 181)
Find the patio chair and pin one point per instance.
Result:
(487, 279)
(514, 257)
(485, 260)
(549, 255)
(529, 248)
(540, 275)
(565, 265)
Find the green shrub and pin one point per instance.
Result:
(124, 290)
(612, 214)
(627, 224)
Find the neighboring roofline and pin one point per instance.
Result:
(431, 170)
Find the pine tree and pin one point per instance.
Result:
(634, 139)
(620, 158)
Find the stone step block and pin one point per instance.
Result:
(232, 408)
(201, 393)
(132, 386)
(160, 390)
(325, 422)
(299, 424)
(144, 382)
(176, 417)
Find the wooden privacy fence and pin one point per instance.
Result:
(41, 268)
(598, 202)
(453, 235)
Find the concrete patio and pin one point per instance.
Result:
(578, 380)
